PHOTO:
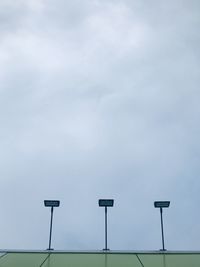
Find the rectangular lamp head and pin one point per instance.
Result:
(106, 202)
(161, 204)
(51, 203)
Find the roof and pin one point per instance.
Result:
(98, 259)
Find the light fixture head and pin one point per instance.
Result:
(106, 202)
(51, 203)
(161, 204)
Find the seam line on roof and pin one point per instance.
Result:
(140, 260)
(45, 260)
(3, 255)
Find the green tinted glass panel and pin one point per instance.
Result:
(67, 259)
(92, 260)
(171, 260)
(183, 260)
(22, 260)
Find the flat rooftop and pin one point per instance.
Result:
(53, 258)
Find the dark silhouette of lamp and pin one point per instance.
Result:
(161, 205)
(106, 203)
(52, 204)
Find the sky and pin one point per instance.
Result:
(99, 99)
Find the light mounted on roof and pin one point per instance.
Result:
(106, 202)
(51, 203)
(161, 204)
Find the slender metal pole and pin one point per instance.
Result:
(106, 232)
(50, 228)
(161, 217)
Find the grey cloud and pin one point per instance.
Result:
(99, 99)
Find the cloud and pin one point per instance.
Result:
(99, 99)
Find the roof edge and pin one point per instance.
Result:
(5, 251)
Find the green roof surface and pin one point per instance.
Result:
(99, 259)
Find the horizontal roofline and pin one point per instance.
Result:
(156, 252)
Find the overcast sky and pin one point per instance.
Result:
(99, 99)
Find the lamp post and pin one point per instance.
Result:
(161, 205)
(106, 203)
(51, 204)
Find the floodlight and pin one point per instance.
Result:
(161, 205)
(52, 204)
(106, 203)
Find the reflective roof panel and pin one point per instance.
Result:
(22, 259)
(92, 260)
(99, 259)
